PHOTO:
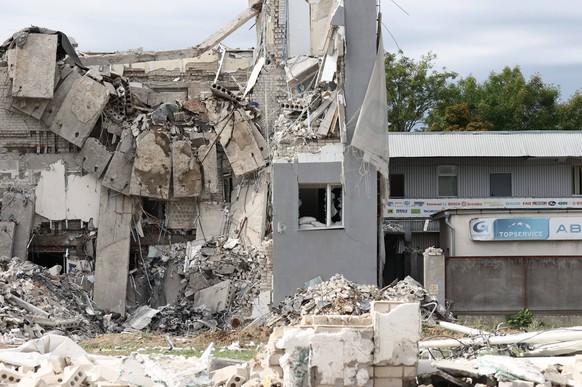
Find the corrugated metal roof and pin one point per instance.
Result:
(486, 144)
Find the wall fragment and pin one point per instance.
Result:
(61, 196)
(34, 67)
(80, 110)
(112, 263)
(237, 139)
(215, 298)
(206, 143)
(18, 207)
(152, 166)
(7, 239)
(186, 177)
(118, 174)
(210, 221)
(68, 79)
(94, 157)
(249, 210)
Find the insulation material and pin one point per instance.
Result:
(152, 166)
(78, 196)
(371, 132)
(237, 139)
(34, 67)
(248, 211)
(187, 178)
(80, 110)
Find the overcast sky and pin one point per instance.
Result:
(468, 36)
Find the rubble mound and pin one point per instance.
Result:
(341, 296)
(33, 302)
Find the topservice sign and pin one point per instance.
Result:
(521, 229)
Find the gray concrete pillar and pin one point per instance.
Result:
(112, 258)
(434, 273)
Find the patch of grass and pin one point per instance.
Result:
(520, 320)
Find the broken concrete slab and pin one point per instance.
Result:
(18, 207)
(237, 139)
(34, 67)
(68, 79)
(7, 238)
(186, 176)
(210, 220)
(33, 107)
(249, 210)
(396, 335)
(152, 166)
(94, 157)
(141, 317)
(80, 110)
(112, 266)
(206, 143)
(118, 174)
(215, 298)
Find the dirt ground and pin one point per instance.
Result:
(123, 344)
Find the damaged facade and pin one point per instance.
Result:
(109, 160)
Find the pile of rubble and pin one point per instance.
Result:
(35, 300)
(219, 282)
(339, 296)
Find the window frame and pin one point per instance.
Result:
(442, 173)
(328, 205)
(576, 180)
(403, 181)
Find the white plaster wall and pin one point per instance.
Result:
(73, 197)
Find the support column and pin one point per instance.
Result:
(112, 259)
(434, 273)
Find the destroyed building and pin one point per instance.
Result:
(112, 160)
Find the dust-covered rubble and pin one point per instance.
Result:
(343, 297)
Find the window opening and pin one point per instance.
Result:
(320, 206)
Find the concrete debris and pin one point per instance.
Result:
(341, 296)
(35, 301)
(218, 284)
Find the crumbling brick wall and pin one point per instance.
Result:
(22, 133)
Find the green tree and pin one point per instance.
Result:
(413, 88)
(570, 112)
(504, 101)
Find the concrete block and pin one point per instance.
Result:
(72, 376)
(94, 157)
(387, 382)
(396, 335)
(229, 376)
(80, 110)
(214, 298)
(237, 139)
(7, 238)
(9, 376)
(384, 306)
(410, 372)
(389, 371)
(152, 166)
(34, 67)
(186, 176)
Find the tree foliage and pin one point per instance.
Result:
(413, 88)
(504, 101)
(422, 98)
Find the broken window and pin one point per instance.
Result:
(577, 179)
(447, 184)
(320, 206)
(500, 184)
(396, 185)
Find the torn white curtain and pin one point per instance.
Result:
(371, 133)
